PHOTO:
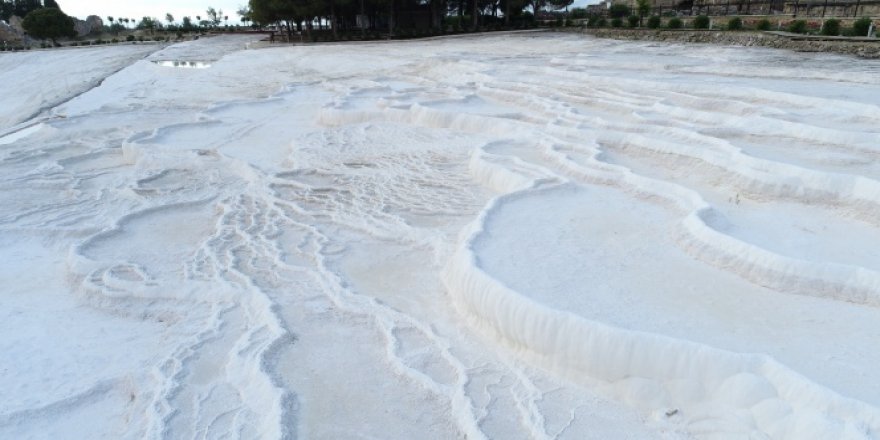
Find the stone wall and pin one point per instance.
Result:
(864, 49)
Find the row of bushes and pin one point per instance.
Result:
(98, 42)
(830, 27)
(652, 22)
(130, 38)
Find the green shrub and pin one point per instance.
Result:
(701, 22)
(763, 25)
(735, 24)
(633, 20)
(616, 22)
(158, 38)
(797, 27)
(114, 41)
(140, 38)
(601, 22)
(831, 27)
(129, 38)
(674, 23)
(654, 22)
(47, 23)
(860, 27)
(592, 20)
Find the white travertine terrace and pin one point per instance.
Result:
(524, 235)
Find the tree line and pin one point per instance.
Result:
(211, 20)
(391, 15)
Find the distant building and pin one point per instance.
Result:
(599, 8)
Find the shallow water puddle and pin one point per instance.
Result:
(19, 134)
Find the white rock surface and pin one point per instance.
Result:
(510, 236)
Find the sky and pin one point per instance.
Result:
(152, 8)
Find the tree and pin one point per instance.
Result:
(245, 13)
(187, 25)
(21, 8)
(169, 18)
(346, 15)
(147, 23)
(644, 8)
(7, 8)
(51, 4)
(559, 4)
(262, 12)
(286, 12)
(114, 27)
(49, 23)
(214, 16)
(618, 10)
(512, 8)
(25, 7)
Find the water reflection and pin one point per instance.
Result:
(184, 64)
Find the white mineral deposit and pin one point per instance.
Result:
(511, 236)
